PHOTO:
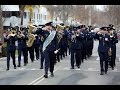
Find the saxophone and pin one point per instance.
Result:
(60, 33)
(111, 33)
(31, 36)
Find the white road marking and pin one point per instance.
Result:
(33, 69)
(90, 69)
(20, 69)
(35, 80)
(42, 79)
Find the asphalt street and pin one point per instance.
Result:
(88, 74)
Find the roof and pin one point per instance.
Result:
(10, 7)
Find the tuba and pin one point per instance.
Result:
(31, 36)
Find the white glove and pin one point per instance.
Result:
(56, 51)
(73, 36)
(77, 34)
(111, 36)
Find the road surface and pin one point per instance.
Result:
(88, 74)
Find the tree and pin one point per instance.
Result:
(27, 7)
(113, 13)
(22, 8)
(1, 25)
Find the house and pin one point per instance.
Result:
(11, 16)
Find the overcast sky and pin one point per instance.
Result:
(100, 7)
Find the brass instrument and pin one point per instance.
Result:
(111, 33)
(110, 52)
(31, 36)
(60, 33)
(20, 34)
(11, 33)
(59, 27)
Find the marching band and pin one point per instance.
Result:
(51, 44)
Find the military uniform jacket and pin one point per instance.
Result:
(104, 42)
(90, 38)
(11, 43)
(37, 41)
(54, 43)
(84, 42)
(65, 39)
(22, 42)
(76, 43)
(113, 40)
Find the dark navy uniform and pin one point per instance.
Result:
(113, 40)
(69, 42)
(61, 46)
(41, 52)
(84, 43)
(65, 41)
(76, 51)
(90, 43)
(11, 48)
(49, 51)
(103, 48)
(37, 46)
(22, 48)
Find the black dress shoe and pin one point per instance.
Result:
(25, 64)
(102, 73)
(112, 68)
(14, 67)
(41, 67)
(52, 75)
(19, 65)
(72, 68)
(46, 76)
(105, 72)
(7, 69)
(37, 59)
(78, 66)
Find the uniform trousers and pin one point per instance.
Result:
(103, 61)
(49, 61)
(24, 52)
(12, 54)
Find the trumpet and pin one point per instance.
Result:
(20, 35)
(11, 33)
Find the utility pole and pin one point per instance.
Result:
(90, 14)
